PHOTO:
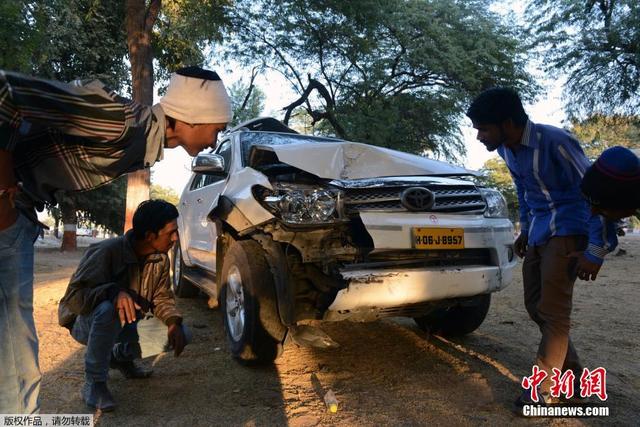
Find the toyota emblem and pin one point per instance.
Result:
(417, 199)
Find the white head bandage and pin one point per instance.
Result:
(197, 96)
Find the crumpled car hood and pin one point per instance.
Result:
(351, 160)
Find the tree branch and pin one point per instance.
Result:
(254, 73)
(152, 14)
(317, 115)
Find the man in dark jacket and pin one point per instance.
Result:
(117, 281)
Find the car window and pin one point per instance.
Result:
(251, 139)
(224, 150)
(198, 182)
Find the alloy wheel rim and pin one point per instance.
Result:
(235, 309)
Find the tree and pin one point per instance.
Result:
(174, 34)
(599, 132)
(18, 37)
(495, 174)
(103, 206)
(395, 74)
(79, 39)
(159, 192)
(596, 44)
(247, 102)
(140, 19)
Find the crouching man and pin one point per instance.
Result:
(117, 282)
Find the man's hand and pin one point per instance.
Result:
(176, 338)
(126, 308)
(587, 270)
(521, 244)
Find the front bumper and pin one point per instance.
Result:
(374, 293)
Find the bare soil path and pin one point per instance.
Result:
(385, 373)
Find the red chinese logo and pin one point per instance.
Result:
(534, 381)
(562, 384)
(592, 383)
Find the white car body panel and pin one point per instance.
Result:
(372, 290)
(202, 239)
(238, 190)
(352, 160)
(393, 230)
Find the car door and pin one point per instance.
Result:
(202, 235)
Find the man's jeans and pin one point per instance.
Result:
(19, 369)
(103, 335)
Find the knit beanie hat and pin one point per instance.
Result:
(613, 181)
(196, 96)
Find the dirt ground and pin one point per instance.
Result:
(385, 373)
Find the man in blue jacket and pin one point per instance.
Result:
(547, 166)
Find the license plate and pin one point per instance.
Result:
(438, 238)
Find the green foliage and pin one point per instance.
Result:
(81, 39)
(183, 31)
(17, 35)
(253, 106)
(159, 192)
(103, 206)
(495, 174)
(396, 74)
(596, 43)
(599, 132)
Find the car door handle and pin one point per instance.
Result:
(199, 200)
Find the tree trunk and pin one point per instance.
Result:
(70, 225)
(56, 225)
(139, 23)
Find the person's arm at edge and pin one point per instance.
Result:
(602, 236)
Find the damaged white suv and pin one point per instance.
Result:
(281, 228)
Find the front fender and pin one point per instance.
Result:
(236, 204)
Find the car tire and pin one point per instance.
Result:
(249, 305)
(457, 320)
(181, 287)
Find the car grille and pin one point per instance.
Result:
(394, 259)
(447, 199)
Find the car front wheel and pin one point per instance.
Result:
(461, 319)
(249, 305)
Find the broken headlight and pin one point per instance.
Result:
(301, 205)
(496, 204)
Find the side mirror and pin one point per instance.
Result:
(208, 164)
